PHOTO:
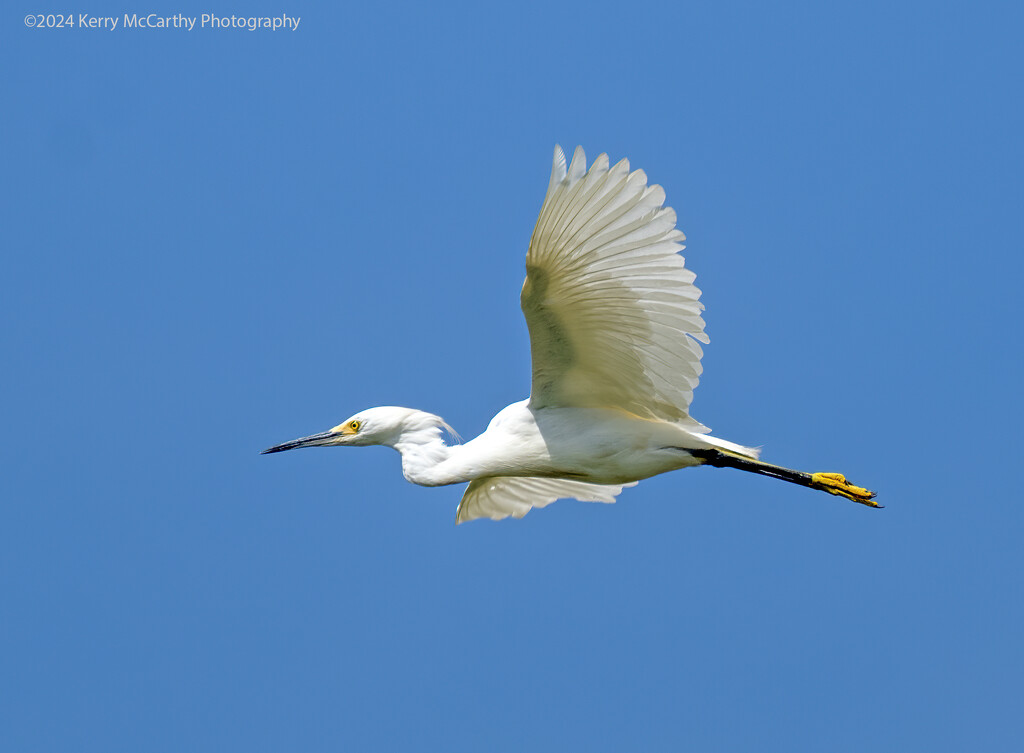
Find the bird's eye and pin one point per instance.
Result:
(354, 425)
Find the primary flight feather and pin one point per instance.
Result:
(615, 332)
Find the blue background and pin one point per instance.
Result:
(214, 241)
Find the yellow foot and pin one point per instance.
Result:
(836, 483)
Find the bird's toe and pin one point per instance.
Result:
(836, 483)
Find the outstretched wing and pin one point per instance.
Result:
(498, 497)
(613, 313)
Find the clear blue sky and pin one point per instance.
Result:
(217, 240)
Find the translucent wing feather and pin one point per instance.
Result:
(614, 316)
(499, 497)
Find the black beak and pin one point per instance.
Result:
(314, 440)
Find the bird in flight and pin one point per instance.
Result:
(615, 337)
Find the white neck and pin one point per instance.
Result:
(423, 450)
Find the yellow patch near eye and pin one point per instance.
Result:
(348, 428)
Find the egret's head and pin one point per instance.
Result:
(373, 426)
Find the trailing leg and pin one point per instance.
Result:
(833, 483)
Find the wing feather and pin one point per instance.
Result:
(499, 497)
(614, 317)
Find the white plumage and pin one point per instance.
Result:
(615, 332)
(501, 496)
(613, 313)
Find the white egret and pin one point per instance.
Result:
(615, 332)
